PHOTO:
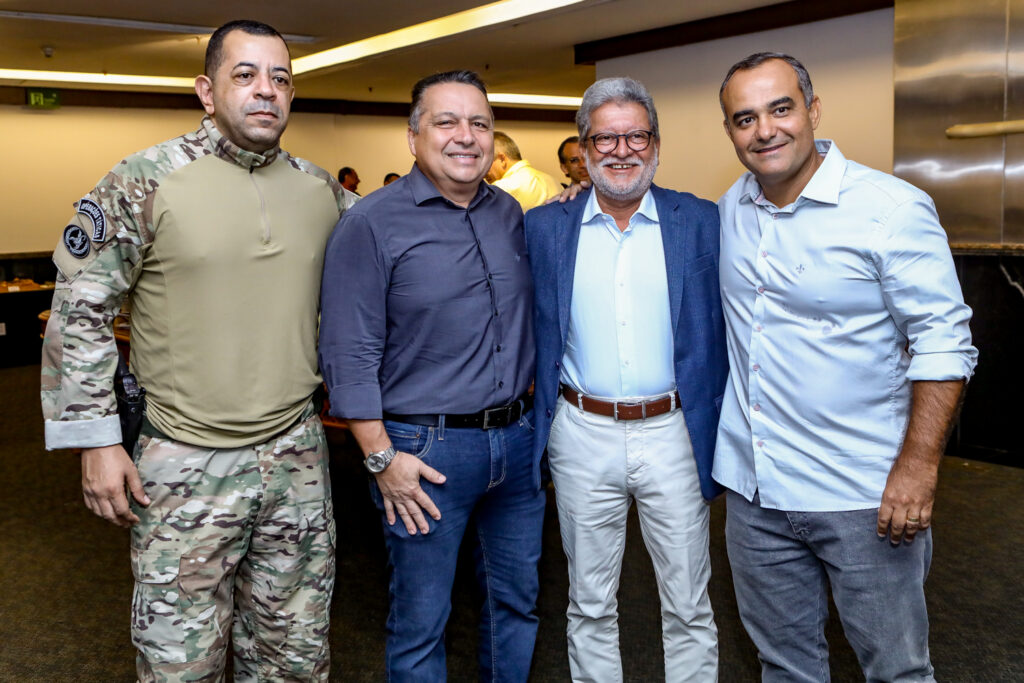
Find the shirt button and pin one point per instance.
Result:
(557, 365)
(489, 276)
(755, 368)
(760, 444)
(548, 412)
(498, 349)
(757, 407)
(495, 314)
(501, 384)
(757, 328)
(764, 253)
(760, 290)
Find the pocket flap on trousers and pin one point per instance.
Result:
(155, 566)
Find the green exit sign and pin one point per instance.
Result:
(43, 98)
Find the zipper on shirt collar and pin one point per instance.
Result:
(229, 151)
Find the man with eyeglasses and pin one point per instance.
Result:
(631, 366)
(570, 159)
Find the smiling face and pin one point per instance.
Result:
(771, 128)
(621, 176)
(454, 145)
(250, 94)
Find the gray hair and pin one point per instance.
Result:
(620, 90)
(503, 144)
(757, 59)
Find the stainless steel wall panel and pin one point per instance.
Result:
(1013, 197)
(950, 68)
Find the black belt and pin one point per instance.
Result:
(490, 418)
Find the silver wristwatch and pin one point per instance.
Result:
(378, 461)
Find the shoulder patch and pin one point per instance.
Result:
(76, 241)
(96, 215)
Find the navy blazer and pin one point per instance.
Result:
(690, 233)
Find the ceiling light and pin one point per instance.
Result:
(460, 22)
(133, 24)
(102, 79)
(540, 100)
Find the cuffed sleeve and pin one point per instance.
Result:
(923, 295)
(103, 431)
(97, 266)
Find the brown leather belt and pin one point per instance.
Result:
(622, 410)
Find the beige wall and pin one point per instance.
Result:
(53, 157)
(850, 60)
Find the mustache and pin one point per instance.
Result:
(631, 159)
(262, 108)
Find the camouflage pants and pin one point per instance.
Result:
(236, 546)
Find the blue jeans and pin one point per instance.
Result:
(782, 563)
(490, 491)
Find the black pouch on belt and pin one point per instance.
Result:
(131, 404)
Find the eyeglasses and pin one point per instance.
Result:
(636, 140)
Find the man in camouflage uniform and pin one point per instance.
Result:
(217, 237)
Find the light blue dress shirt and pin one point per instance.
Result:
(619, 342)
(833, 306)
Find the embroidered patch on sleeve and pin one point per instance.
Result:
(76, 241)
(96, 215)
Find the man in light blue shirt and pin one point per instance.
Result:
(849, 348)
(630, 372)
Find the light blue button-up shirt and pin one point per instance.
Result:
(619, 342)
(833, 306)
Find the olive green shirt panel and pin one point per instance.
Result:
(224, 314)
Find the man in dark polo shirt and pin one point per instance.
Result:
(426, 344)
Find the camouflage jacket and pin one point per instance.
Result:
(112, 249)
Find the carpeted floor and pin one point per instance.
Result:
(65, 583)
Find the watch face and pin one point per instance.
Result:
(375, 462)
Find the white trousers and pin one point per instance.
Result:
(598, 467)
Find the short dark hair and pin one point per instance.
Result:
(344, 171)
(507, 146)
(391, 176)
(561, 147)
(757, 59)
(463, 76)
(215, 48)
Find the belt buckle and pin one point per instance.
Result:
(495, 411)
(642, 404)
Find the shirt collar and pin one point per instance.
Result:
(423, 189)
(823, 186)
(647, 209)
(515, 167)
(229, 151)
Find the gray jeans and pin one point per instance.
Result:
(783, 562)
